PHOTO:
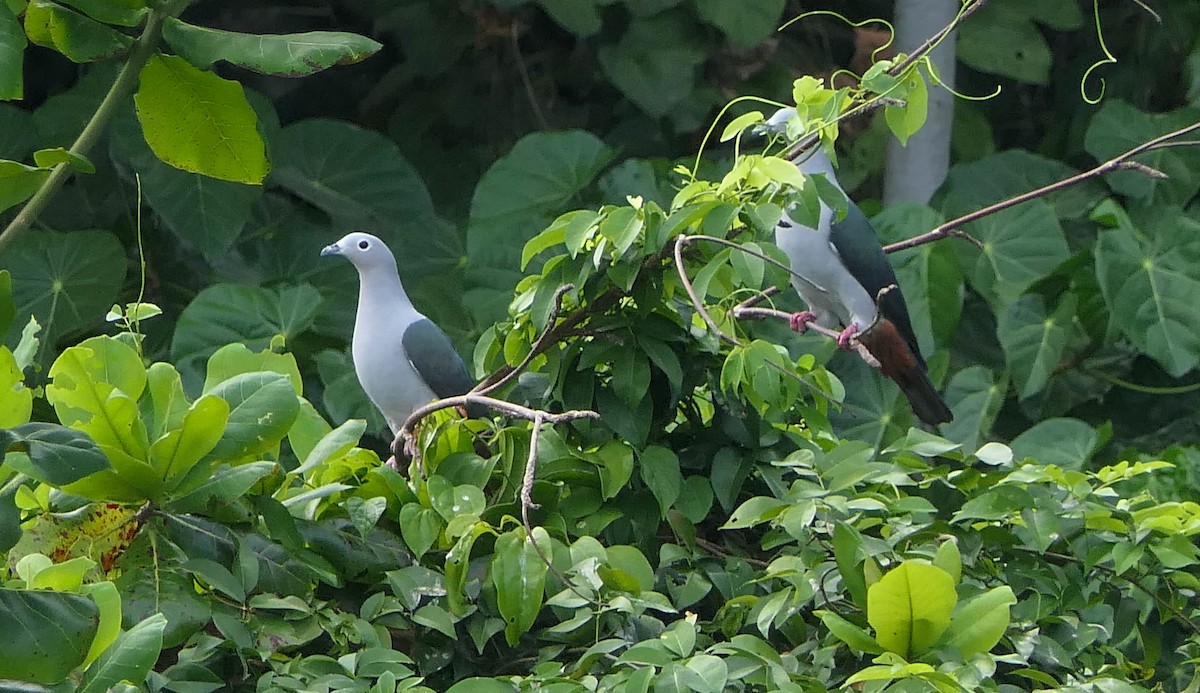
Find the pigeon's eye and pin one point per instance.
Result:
(363, 245)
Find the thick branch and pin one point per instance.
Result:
(126, 80)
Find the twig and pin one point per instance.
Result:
(516, 411)
(716, 550)
(527, 503)
(525, 81)
(538, 347)
(1116, 163)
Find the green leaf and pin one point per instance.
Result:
(16, 400)
(993, 178)
(262, 407)
(478, 684)
(76, 36)
(517, 197)
(1033, 341)
(949, 559)
(108, 601)
(49, 158)
(1020, 245)
(1118, 127)
(1068, 443)
(57, 455)
(198, 122)
(19, 182)
(1003, 40)
(176, 195)
(129, 659)
(519, 576)
(54, 634)
(904, 121)
(1150, 283)
(420, 528)
(226, 485)
(980, 621)
(176, 454)
(910, 607)
(66, 280)
(233, 313)
(655, 63)
(580, 17)
(120, 12)
(282, 55)
(660, 471)
(975, 397)
(929, 274)
(746, 23)
(12, 53)
(849, 633)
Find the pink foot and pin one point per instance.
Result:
(843, 338)
(799, 321)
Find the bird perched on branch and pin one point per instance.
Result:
(401, 358)
(840, 270)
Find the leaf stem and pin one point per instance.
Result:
(126, 80)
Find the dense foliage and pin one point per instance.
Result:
(192, 494)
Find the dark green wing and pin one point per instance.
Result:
(855, 241)
(435, 359)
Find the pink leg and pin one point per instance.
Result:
(843, 339)
(799, 321)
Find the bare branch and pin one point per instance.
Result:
(406, 432)
(1121, 161)
(540, 345)
(929, 44)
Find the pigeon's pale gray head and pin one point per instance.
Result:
(363, 250)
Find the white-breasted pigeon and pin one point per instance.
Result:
(401, 358)
(842, 271)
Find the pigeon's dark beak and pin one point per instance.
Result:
(331, 250)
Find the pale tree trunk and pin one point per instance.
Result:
(914, 172)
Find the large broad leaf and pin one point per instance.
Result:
(54, 633)
(993, 178)
(95, 387)
(1118, 127)
(56, 455)
(1034, 341)
(929, 275)
(1068, 443)
(519, 196)
(1151, 282)
(76, 36)
(129, 658)
(65, 280)
(206, 212)
(975, 396)
(262, 407)
(746, 23)
(1020, 245)
(1003, 40)
(655, 62)
(228, 313)
(873, 410)
(519, 576)
(910, 607)
(12, 52)
(361, 181)
(283, 55)
(580, 17)
(22, 137)
(198, 122)
(980, 622)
